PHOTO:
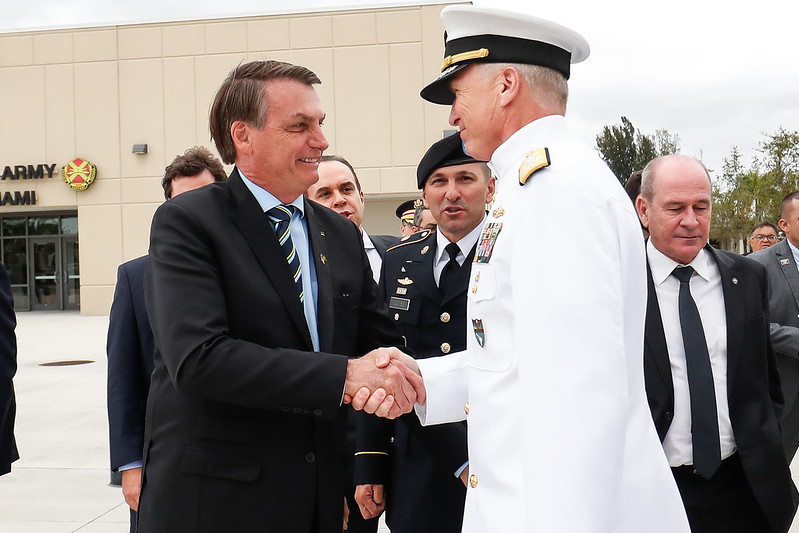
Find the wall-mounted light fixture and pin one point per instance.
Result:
(139, 149)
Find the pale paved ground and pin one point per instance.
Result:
(60, 484)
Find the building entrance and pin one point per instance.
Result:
(40, 253)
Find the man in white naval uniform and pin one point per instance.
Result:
(560, 435)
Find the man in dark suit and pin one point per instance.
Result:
(781, 263)
(710, 372)
(419, 474)
(339, 189)
(259, 301)
(8, 367)
(130, 339)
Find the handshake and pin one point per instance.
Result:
(385, 382)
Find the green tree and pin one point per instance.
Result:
(626, 149)
(743, 197)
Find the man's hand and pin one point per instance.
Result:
(370, 500)
(345, 525)
(385, 382)
(131, 487)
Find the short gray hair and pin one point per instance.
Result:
(548, 85)
(650, 172)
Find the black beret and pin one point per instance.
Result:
(447, 152)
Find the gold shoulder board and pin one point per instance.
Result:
(533, 162)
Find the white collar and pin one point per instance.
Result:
(663, 266)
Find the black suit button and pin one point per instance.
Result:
(306, 411)
(286, 409)
(668, 415)
(297, 410)
(317, 412)
(310, 457)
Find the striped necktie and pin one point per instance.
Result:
(280, 216)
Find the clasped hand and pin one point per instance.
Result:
(385, 382)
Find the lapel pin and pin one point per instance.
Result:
(735, 281)
(785, 261)
(323, 259)
(322, 233)
(403, 269)
(498, 212)
(425, 249)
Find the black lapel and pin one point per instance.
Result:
(732, 285)
(784, 256)
(319, 254)
(655, 338)
(254, 225)
(461, 281)
(422, 270)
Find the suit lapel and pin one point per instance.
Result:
(461, 281)
(324, 302)
(732, 283)
(254, 224)
(785, 259)
(655, 338)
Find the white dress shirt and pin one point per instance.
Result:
(707, 293)
(375, 261)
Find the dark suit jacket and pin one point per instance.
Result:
(8, 367)
(245, 426)
(753, 391)
(130, 363)
(783, 300)
(417, 465)
(383, 243)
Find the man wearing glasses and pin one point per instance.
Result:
(763, 236)
(781, 262)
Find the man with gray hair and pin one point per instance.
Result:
(551, 382)
(711, 376)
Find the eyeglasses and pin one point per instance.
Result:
(770, 238)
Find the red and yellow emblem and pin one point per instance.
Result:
(78, 174)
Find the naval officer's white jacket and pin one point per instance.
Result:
(560, 435)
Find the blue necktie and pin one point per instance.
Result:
(704, 418)
(280, 215)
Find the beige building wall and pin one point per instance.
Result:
(94, 93)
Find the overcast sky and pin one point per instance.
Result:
(718, 74)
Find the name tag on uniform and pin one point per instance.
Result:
(403, 304)
(485, 246)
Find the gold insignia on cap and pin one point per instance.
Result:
(425, 250)
(405, 281)
(498, 212)
(464, 56)
(533, 162)
(417, 203)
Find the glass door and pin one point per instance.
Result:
(70, 273)
(45, 263)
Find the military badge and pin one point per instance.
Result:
(405, 281)
(479, 331)
(785, 261)
(323, 259)
(402, 291)
(498, 212)
(533, 162)
(403, 304)
(425, 250)
(78, 174)
(485, 245)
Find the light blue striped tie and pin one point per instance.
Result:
(280, 215)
